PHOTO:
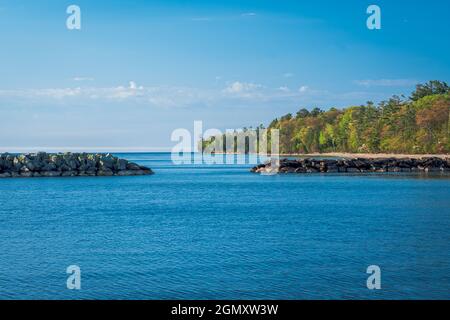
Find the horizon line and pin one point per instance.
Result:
(84, 149)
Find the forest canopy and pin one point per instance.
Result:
(418, 124)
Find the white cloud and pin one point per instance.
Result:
(386, 82)
(235, 93)
(240, 87)
(59, 93)
(248, 14)
(133, 85)
(83, 79)
(161, 96)
(288, 75)
(121, 92)
(53, 93)
(303, 89)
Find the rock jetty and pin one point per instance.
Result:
(307, 165)
(43, 164)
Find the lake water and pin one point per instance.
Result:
(221, 232)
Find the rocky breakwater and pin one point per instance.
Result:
(43, 164)
(355, 165)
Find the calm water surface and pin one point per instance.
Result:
(220, 232)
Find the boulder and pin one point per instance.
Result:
(50, 173)
(26, 174)
(49, 166)
(69, 173)
(105, 172)
(121, 164)
(133, 166)
(332, 169)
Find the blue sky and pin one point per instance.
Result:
(137, 70)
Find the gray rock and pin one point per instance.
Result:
(105, 173)
(50, 166)
(106, 165)
(68, 164)
(332, 168)
(69, 173)
(51, 173)
(86, 174)
(121, 164)
(133, 166)
(73, 164)
(127, 173)
(27, 174)
(432, 164)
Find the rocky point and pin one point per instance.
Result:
(43, 164)
(432, 164)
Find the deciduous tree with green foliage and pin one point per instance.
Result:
(420, 124)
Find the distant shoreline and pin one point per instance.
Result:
(370, 155)
(348, 155)
(359, 155)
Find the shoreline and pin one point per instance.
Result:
(356, 165)
(348, 155)
(369, 155)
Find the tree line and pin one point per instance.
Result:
(417, 124)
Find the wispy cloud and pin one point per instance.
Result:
(162, 96)
(386, 83)
(242, 87)
(303, 89)
(223, 17)
(53, 93)
(237, 92)
(200, 19)
(83, 79)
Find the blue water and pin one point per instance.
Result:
(220, 232)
